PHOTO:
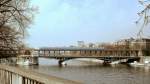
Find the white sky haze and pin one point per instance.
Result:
(64, 22)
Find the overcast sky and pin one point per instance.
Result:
(64, 22)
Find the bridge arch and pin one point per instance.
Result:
(61, 60)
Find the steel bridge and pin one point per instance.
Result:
(67, 53)
(108, 55)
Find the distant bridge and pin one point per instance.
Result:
(68, 53)
(108, 55)
(55, 51)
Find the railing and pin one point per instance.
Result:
(15, 75)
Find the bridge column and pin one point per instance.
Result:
(62, 52)
(39, 52)
(140, 54)
(90, 52)
(60, 61)
(114, 53)
(131, 53)
(127, 53)
(80, 52)
(49, 53)
(54, 53)
(44, 52)
(98, 53)
(103, 53)
(120, 53)
(124, 53)
(108, 53)
(59, 52)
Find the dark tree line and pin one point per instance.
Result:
(15, 17)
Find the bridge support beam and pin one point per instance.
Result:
(140, 54)
(141, 59)
(60, 61)
(27, 60)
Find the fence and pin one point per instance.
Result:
(16, 75)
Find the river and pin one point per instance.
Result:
(94, 73)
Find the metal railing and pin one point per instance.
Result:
(16, 75)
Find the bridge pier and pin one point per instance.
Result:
(140, 54)
(141, 59)
(27, 60)
(107, 60)
(60, 62)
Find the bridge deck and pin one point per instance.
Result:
(82, 49)
(88, 56)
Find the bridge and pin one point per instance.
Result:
(107, 55)
(67, 53)
(9, 74)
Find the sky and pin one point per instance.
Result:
(64, 22)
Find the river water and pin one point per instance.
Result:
(94, 73)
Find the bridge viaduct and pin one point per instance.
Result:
(108, 55)
(67, 53)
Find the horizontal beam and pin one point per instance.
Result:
(88, 56)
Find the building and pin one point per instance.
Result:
(80, 44)
(91, 45)
(142, 45)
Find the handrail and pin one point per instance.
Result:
(24, 76)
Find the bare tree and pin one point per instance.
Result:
(144, 16)
(16, 13)
(9, 38)
(15, 17)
